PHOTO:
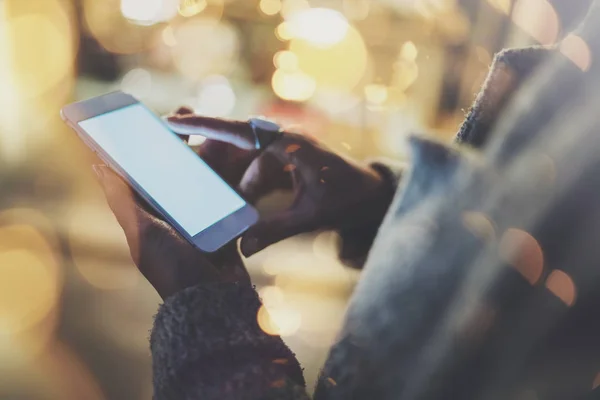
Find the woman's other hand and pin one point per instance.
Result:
(330, 192)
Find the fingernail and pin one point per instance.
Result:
(99, 170)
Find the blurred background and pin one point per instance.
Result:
(359, 75)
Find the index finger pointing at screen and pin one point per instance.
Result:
(236, 133)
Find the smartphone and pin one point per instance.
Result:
(164, 170)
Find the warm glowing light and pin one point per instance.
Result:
(168, 36)
(293, 86)
(376, 94)
(479, 225)
(286, 60)
(270, 7)
(138, 83)
(11, 131)
(205, 47)
(271, 296)
(291, 7)
(562, 286)
(41, 51)
(283, 31)
(280, 321)
(520, 250)
(338, 67)
(409, 51)
(189, 8)
(502, 6)
(537, 18)
(90, 233)
(319, 26)
(577, 50)
(405, 74)
(357, 10)
(215, 97)
(148, 12)
(28, 290)
(325, 245)
(104, 20)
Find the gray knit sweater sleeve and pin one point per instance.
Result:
(206, 344)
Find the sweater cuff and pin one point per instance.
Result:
(208, 329)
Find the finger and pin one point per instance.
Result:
(272, 230)
(236, 133)
(183, 111)
(123, 204)
(264, 175)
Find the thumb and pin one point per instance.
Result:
(273, 229)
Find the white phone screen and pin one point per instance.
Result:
(160, 163)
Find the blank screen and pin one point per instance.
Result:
(165, 167)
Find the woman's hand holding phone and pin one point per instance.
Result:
(330, 192)
(168, 261)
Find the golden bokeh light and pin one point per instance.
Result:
(28, 286)
(279, 321)
(271, 296)
(216, 97)
(168, 36)
(31, 280)
(102, 269)
(41, 49)
(283, 32)
(291, 7)
(138, 83)
(577, 50)
(520, 250)
(338, 67)
(503, 6)
(409, 51)
(325, 245)
(205, 47)
(376, 94)
(538, 19)
(189, 8)
(270, 7)
(148, 12)
(212, 9)
(104, 20)
(405, 74)
(286, 60)
(320, 27)
(562, 286)
(293, 86)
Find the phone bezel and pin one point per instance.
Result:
(209, 240)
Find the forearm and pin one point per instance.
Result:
(206, 343)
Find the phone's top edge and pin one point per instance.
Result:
(89, 108)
